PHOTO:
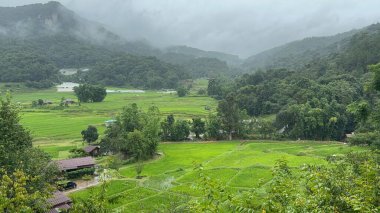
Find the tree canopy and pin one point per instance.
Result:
(135, 134)
(90, 93)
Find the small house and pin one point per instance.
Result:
(75, 164)
(92, 150)
(59, 202)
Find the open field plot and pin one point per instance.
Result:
(171, 179)
(38, 119)
(57, 130)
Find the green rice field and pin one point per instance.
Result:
(67, 123)
(171, 181)
(57, 130)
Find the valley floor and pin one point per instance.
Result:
(170, 180)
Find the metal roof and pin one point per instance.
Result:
(58, 199)
(90, 148)
(75, 163)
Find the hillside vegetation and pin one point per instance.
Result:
(51, 37)
(345, 51)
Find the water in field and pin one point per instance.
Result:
(66, 87)
(125, 91)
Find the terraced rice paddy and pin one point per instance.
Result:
(171, 180)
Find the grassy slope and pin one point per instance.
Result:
(171, 180)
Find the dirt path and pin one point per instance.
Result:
(82, 184)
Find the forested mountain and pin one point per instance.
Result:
(298, 53)
(191, 53)
(319, 86)
(136, 71)
(200, 63)
(48, 37)
(38, 21)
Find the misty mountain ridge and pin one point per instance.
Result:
(53, 19)
(297, 54)
(56, 34)
(233, 60)
(36, 20)
(39, 39)
(302, 51)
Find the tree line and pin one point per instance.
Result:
(326, 108)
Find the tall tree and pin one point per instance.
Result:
(135, 134)
(181, 130)
(214, 128)
(90, 93)
(182, 91)
(198, 127)
(90, 134)
(20, 163)
(229, 114)
(376, 78)
(167, 127)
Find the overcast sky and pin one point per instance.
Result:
(241, 27)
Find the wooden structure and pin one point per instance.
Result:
(68, 101)
(92, 150)
(59, 202)
(75, 164)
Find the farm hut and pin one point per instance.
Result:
(59, 202)
(47, 102)
(109, 123)
(68, 101)
(73, 164)
(92, 150)
(349, 136)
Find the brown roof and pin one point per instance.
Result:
(75, 163)
(56, 209)
(90, 148)
(58, 199)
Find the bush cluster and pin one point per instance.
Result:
(79, 173)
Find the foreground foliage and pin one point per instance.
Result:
(16, 196)
(25, 172)
(349, 183)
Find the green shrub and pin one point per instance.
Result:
(301, 154)
(371, 139)
(80, 173)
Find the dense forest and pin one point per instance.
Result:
(136, 71)
(323, 99)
